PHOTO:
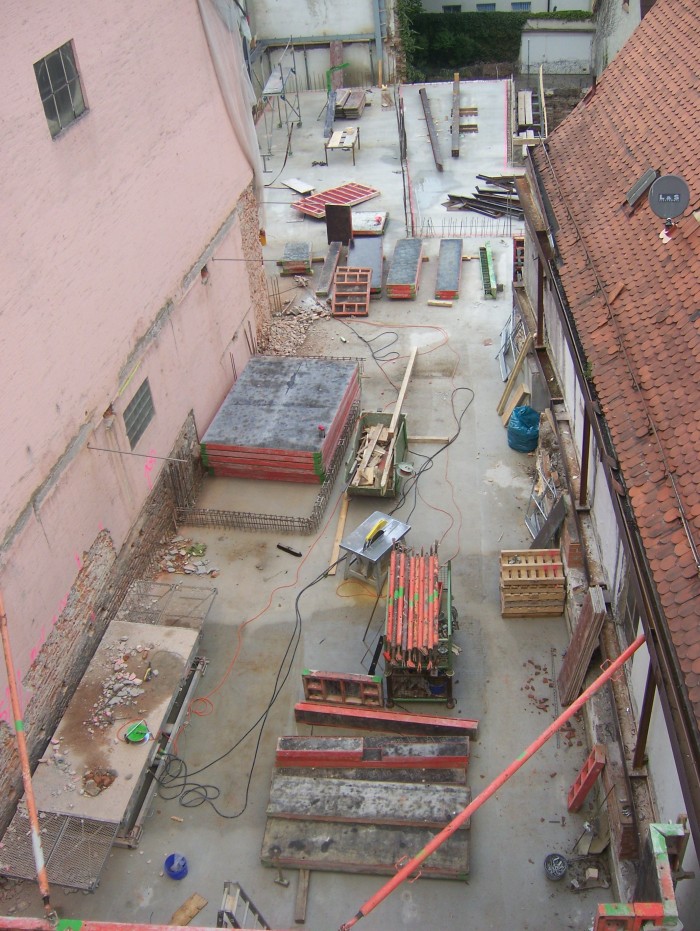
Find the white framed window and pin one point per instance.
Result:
(138, 413)
(486, 8)
(59, 88)
(521, 7)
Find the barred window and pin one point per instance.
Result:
(138, 413)
(59, 87)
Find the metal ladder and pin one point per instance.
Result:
(237, 910)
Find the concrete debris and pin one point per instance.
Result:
(290, 327)
(184, 556)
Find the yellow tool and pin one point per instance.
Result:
(376, 532)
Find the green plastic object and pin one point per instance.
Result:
(136, 733)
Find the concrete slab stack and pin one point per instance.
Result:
(282, 420)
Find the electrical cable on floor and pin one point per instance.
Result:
(286, 155)
(411, 485)
(175, 782)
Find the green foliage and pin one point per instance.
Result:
(407, 11)
(454, 40)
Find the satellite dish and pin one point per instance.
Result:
(669, 196)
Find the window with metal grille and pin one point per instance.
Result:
(452, 8)
(521, 7)
(139, 413)
(486, 8)
(59, 87)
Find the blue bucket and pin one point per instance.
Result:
(176, 866)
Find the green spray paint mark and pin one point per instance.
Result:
(69, 924)
(19, 725)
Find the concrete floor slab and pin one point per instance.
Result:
(471, 498)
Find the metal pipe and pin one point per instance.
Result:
(413, 864)
(37, 848)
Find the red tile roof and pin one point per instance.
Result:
(643, 348)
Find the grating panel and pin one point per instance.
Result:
(75, 849)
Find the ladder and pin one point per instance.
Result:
(237, 910)
(488, 275)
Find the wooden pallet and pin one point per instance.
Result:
(351, 292)
(532, 583)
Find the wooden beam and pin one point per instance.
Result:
(432, 132)
(189, 908)
(379, 719)
(302, 896)
(335, 553)
(437, 440)
(402, 393)
(514, 373)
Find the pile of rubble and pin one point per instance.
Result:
(120, 687)
(185, 556)
(291, 325)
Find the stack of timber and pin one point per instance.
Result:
(351, 292)
(413, 636)
(584, 641)
(360, 805)
(349, 103)
(297, 259)
(377, 446)
(283, 419)
(533, 583)
(350, 193)
(404, 272)
(497, 199)
(449, 270)
(371, 458)
(368, 252)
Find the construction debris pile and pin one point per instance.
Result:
(498, 199)
(185, 556)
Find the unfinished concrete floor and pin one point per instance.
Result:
(472, 500)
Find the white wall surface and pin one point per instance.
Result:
(559, 49)
(284, 18)
(506, 6)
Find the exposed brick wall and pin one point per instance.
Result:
(59, 667)
(252, 250)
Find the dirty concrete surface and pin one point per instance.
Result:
(472, 500)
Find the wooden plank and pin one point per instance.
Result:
(514, 373)
(553, 522)
(360, 848)
(382, 720)
(402, 392)
(187, 911)
(302, 896)
(583, 642)
(520, 396)
(432, 132)
(304, 796)
(342, 517)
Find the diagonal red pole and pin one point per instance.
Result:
(404, 873)
(37, 849)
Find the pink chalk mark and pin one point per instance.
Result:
(148, 468)
(78, 561)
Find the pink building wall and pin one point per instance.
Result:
(101, 225)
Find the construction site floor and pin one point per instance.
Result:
(472, 500)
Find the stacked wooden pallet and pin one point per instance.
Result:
(403, 279)
(533, 583)
(297, 259)
(282, 420)
(359, 805)
(349, 103)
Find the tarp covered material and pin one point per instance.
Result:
(223, 23)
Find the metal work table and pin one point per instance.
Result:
(371, 563)
(344, 139)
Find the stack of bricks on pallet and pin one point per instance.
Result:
(297, 259)
(368, 252)
(532, 583)
(449, 269)
(325, 279)
(282, 420)
(404, 273)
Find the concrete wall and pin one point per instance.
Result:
(615, 23)
(105, 228)
(561, 48)
(293, 18)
